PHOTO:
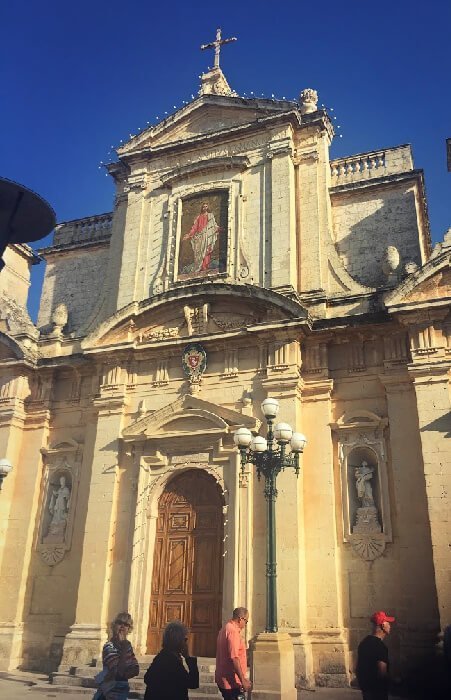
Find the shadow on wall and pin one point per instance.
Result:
(440, 425)
(363, 249)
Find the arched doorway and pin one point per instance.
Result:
(187, 568)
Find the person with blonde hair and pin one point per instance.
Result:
(119, 661)
(167, 678)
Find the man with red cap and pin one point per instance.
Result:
(372, 659)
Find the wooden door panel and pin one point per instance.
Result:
(173, 610)
(205, 565)
(176, 568)
(187, 571)
(157, 568)
(179, 521)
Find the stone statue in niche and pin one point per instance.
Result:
(366, 517)
(59, 509)
(363, 476)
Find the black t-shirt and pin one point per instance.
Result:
(370, 651)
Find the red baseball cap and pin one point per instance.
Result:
(380, 617)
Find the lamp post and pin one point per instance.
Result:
(5, 468)
(269, 457)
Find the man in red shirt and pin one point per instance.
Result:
(231, 663)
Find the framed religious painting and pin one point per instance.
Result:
(203, 235)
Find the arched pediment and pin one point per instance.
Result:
(198, 308)
(429, 286)
(359, 418)
(188, 416)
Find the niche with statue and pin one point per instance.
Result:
(57, 507)
(363, 470)
(60, 483)
(364, 491)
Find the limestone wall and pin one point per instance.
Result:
(74, 278)
(15, 276)
(368, 220)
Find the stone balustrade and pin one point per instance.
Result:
(86, 230)
(365, 166)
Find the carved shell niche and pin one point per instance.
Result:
(369, 547)
(52, 555)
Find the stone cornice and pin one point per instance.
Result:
(65, 248)
(415, 175)
(431, 372)
(318, 119)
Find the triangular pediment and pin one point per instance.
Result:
(188, 415)
(207, 114)
(430, 285)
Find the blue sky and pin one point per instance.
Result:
(77, 77)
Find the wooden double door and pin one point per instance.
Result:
(188, 562)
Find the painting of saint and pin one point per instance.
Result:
(203, 245)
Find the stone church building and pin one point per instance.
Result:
(239, 262)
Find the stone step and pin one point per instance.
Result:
(203, 693)
(80, 680)
(204, 681)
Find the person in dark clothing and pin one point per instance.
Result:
(372, 659)
(167, 678)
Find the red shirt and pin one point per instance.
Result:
(229, 646)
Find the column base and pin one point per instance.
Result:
(82, 645)
(272, 667)
(11, 643)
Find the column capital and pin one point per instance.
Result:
(317, 390)
(395, 383)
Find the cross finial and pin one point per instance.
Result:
(216, 45)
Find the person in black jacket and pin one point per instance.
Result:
(167, 678)
(372, 661)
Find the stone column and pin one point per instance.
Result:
(313, 216)
(132, 244)
(432, 390)
(323, 563)
(100, 487)
(282, 262)
(410, 554)
(22, 437)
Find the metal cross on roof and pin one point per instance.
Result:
(216, 45)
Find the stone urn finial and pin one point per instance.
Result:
(390, 263)
(60, 317)
(308, 101)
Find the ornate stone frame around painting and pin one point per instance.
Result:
(235, 247)
(64, 456)
(200, 190)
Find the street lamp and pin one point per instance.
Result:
(5, 468)
(269, 457)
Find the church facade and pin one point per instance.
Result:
(240, 262)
